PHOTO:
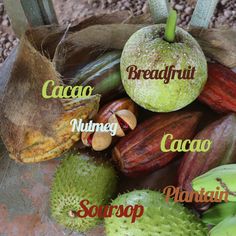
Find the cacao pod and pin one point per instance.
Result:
(103, 74)
(222, 133)
(219, 92)
(140, 151)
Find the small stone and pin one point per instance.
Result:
(8, 45)
(145, 8)
(2, 39)
(182, 17)
(188, 10)
(227, 13)
(221, 19)
(187, 19)
(223, 2)
(95, 5)
(178, 21)
(126, 4)
(5, 54)
(11, 37)
(5, 22)
(179, 7)
(15, 42)
(90, 2)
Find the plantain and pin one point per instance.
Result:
(225, 228)
(219, 212)
(222, 177)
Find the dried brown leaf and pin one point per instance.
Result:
(218, 44)
(33, 128)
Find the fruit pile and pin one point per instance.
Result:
(144, 112)
(137, 151)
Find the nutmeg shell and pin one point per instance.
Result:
(106, 111)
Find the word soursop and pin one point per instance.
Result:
(160, 218)
(80, 177)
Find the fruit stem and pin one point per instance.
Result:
(171, 26)
(72, 214)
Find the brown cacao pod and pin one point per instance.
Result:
(222, 133)
(106, 111)
(140, 151)
(220, 90)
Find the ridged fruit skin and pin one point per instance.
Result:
(223, 177)
(222, 133)
(116, 105)
(219, 212)
(159, 218)
(225, 228)
(80, 177)
(147, 50)
(220, 89)
(103, 74)
(140, 152)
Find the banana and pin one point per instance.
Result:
(219, 212)
(222, 178)
(225, 228)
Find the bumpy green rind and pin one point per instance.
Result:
(159, 219)
(147, 49)
(80, 177)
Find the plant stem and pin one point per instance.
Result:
(171, 26)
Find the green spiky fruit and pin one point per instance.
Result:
(149, 51)
(160, 218)
(81, 177)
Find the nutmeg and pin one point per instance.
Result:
(86, 138)
(125, 119)
(99, 141)
(121, 104)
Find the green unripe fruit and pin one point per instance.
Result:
(148, 50)
(80, 177)
(160, 218)
(227, 227)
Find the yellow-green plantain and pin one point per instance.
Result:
(219, 212)
(221, 178)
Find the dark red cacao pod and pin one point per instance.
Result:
(219, 92)
(222, 133)
(140, 151)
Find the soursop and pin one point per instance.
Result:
(160, 218)
(80, 177)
